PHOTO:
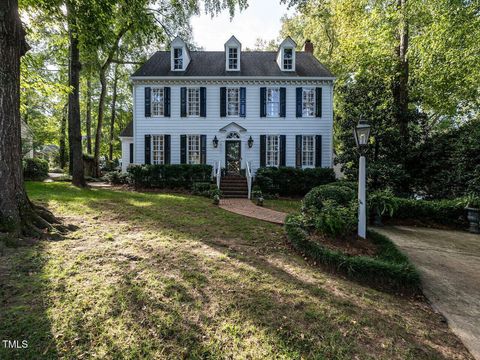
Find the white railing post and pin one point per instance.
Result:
(219, 173)
(249, 179)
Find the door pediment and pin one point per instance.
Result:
(233, 126)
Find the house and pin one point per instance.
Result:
(235, 110)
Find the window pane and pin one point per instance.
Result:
(288, 59)
(193, 149)
(193, 102)
(273, 102)
(157, 102)
(308, 102)
(233, 102)
(232, 58)
(308, 150)
(178, 58)
(273, 150)
(158, 154)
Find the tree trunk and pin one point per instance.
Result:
(74, 124)
(400, 86)
(88, 119)
(63, 135)
(101, 110)
(17, 214)
(112, 120)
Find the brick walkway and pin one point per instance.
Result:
(246, 207)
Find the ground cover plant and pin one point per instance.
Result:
(156, 275)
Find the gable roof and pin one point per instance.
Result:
(128, 131)
(252, 63)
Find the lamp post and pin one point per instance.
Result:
(362, 133)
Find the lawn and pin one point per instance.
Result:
(172, 276)
(285, 205)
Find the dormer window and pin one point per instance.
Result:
(288, 59)
(233, 58)
(178, 59)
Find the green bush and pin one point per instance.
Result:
(290, 181)
(334, 219)
(345, 183)
(382, 202)
(35, 169)
(169, 176)
(117, 178)
(202, 188)
(389, 269)
(342, 195)
(445, 212)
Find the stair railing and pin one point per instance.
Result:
(249, 178)
(218, 174)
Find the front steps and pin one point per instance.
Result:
(234, 186)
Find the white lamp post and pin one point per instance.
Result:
(362, 133)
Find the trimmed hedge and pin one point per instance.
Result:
(169, 176)
(390, 269)
(317, 196)
(290, 181)
(445, 212)
(35, 169)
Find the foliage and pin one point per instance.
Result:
(117, 178)
(256, 192)
(35, 169)
(382, 202)
(203, 188)
(290, 181)
(389, 269)
(315, 199)
(216, 192)
(334, 219)
(169, 176)
(472, 201)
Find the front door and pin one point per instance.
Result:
(233, 156)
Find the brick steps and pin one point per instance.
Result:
(234, 187)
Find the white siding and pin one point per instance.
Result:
(255, 125)
(126, 141)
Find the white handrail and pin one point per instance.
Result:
(249, 179)
(218, 173)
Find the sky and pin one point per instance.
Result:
(260, 20)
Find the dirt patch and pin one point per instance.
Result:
(350, 245)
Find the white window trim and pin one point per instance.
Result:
(314, 102)
(228, 58)
(293, 59)
(188, 101)
(238, 102)
(266, 103)
(182, 58)
(199, 148)
(314, 153)
(163, 102)
(161, 150)
(278, 151)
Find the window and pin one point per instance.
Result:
(193, 101)
(273, 150)
(193, 149)
(232, 58)
(178, 59)
(273, 102)
(308, 151)
(308, 102)
(233, 101)
(157, 102)
(158, 147)
(287, 59)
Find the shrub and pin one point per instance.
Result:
(35, 169)
(216, 192)
(382, 202)
(345, 183)
(256, 192)
(290, 181)
(340, 194)
(334, 219)
(169, 176)
(202, 188)
(117, 178)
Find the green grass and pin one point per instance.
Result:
(172, 276)
(284, 205)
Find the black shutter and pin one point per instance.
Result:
(299, 102)
(203, 102)
(166, 101)
(203, 149)
(318, 101)
(283, 150)
(147, 149)
(283, 102)
(183, 102)
(183, 149)
(131, 153)
(167, 149)
(263, 102)
(298, 151)
(243, 102)
(223, 101)
(318, 150)
(148, 96)
(263, 148)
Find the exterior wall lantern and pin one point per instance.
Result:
(362, 134)
(215, 142)
(250, 142)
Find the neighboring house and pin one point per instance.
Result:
(229, 108)
(27, 140)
